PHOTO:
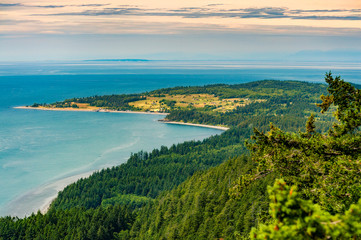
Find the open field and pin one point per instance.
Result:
(167, 102)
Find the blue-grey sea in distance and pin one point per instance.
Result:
(42, 151)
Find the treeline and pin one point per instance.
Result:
(76, 223)
(253, 90)
(115, 102)
(203, 207)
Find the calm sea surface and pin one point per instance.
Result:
(41, 149)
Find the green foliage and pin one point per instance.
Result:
(310, 125)
(116, 102)
(348, 101)
(168, 102)
(296, 218)
(203, 208)
(287, 104)
(130, 200)
(325, 167)
(265, 89)
(76, 223)
(36, 105)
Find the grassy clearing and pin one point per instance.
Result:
(71, 105)
(167, 102)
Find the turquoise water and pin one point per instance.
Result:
(39, 147)
(39, 150)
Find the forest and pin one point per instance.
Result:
(288, 168)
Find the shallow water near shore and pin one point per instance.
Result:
(41, 151)
(47, 147)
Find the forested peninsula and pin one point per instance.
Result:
(288, 168)
(219, 104)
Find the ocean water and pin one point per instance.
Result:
(42, 151)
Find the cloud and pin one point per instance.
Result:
(92, 5)
(141, 20)
(198, 12)
(63, 6)
(47, 6)
(10, 4)
(356, 17)
(325, 11)
(50, 6)
(211, 10)
(104, 12)
(14, 22)
(215, 4)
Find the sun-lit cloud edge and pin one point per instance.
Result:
(197, 12)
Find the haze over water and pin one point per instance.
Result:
(39, 149)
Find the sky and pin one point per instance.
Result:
(180, 30)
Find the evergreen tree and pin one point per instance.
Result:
(296, 218)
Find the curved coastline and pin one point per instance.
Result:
(60, 184)
(88, 110)
(195, 125)
(128, 111)
(49, 191)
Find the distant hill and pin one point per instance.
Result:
(119, 60)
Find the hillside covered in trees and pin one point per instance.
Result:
(220, 188)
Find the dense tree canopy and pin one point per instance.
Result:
(296, 218)
(325, 167)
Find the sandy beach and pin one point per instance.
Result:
(59, 186)
(87, 110)
(196, 125)
(48, 192)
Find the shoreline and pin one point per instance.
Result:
(127, 111)
(60, 184)
(49, 191)
(88, 110)
(195, 125)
